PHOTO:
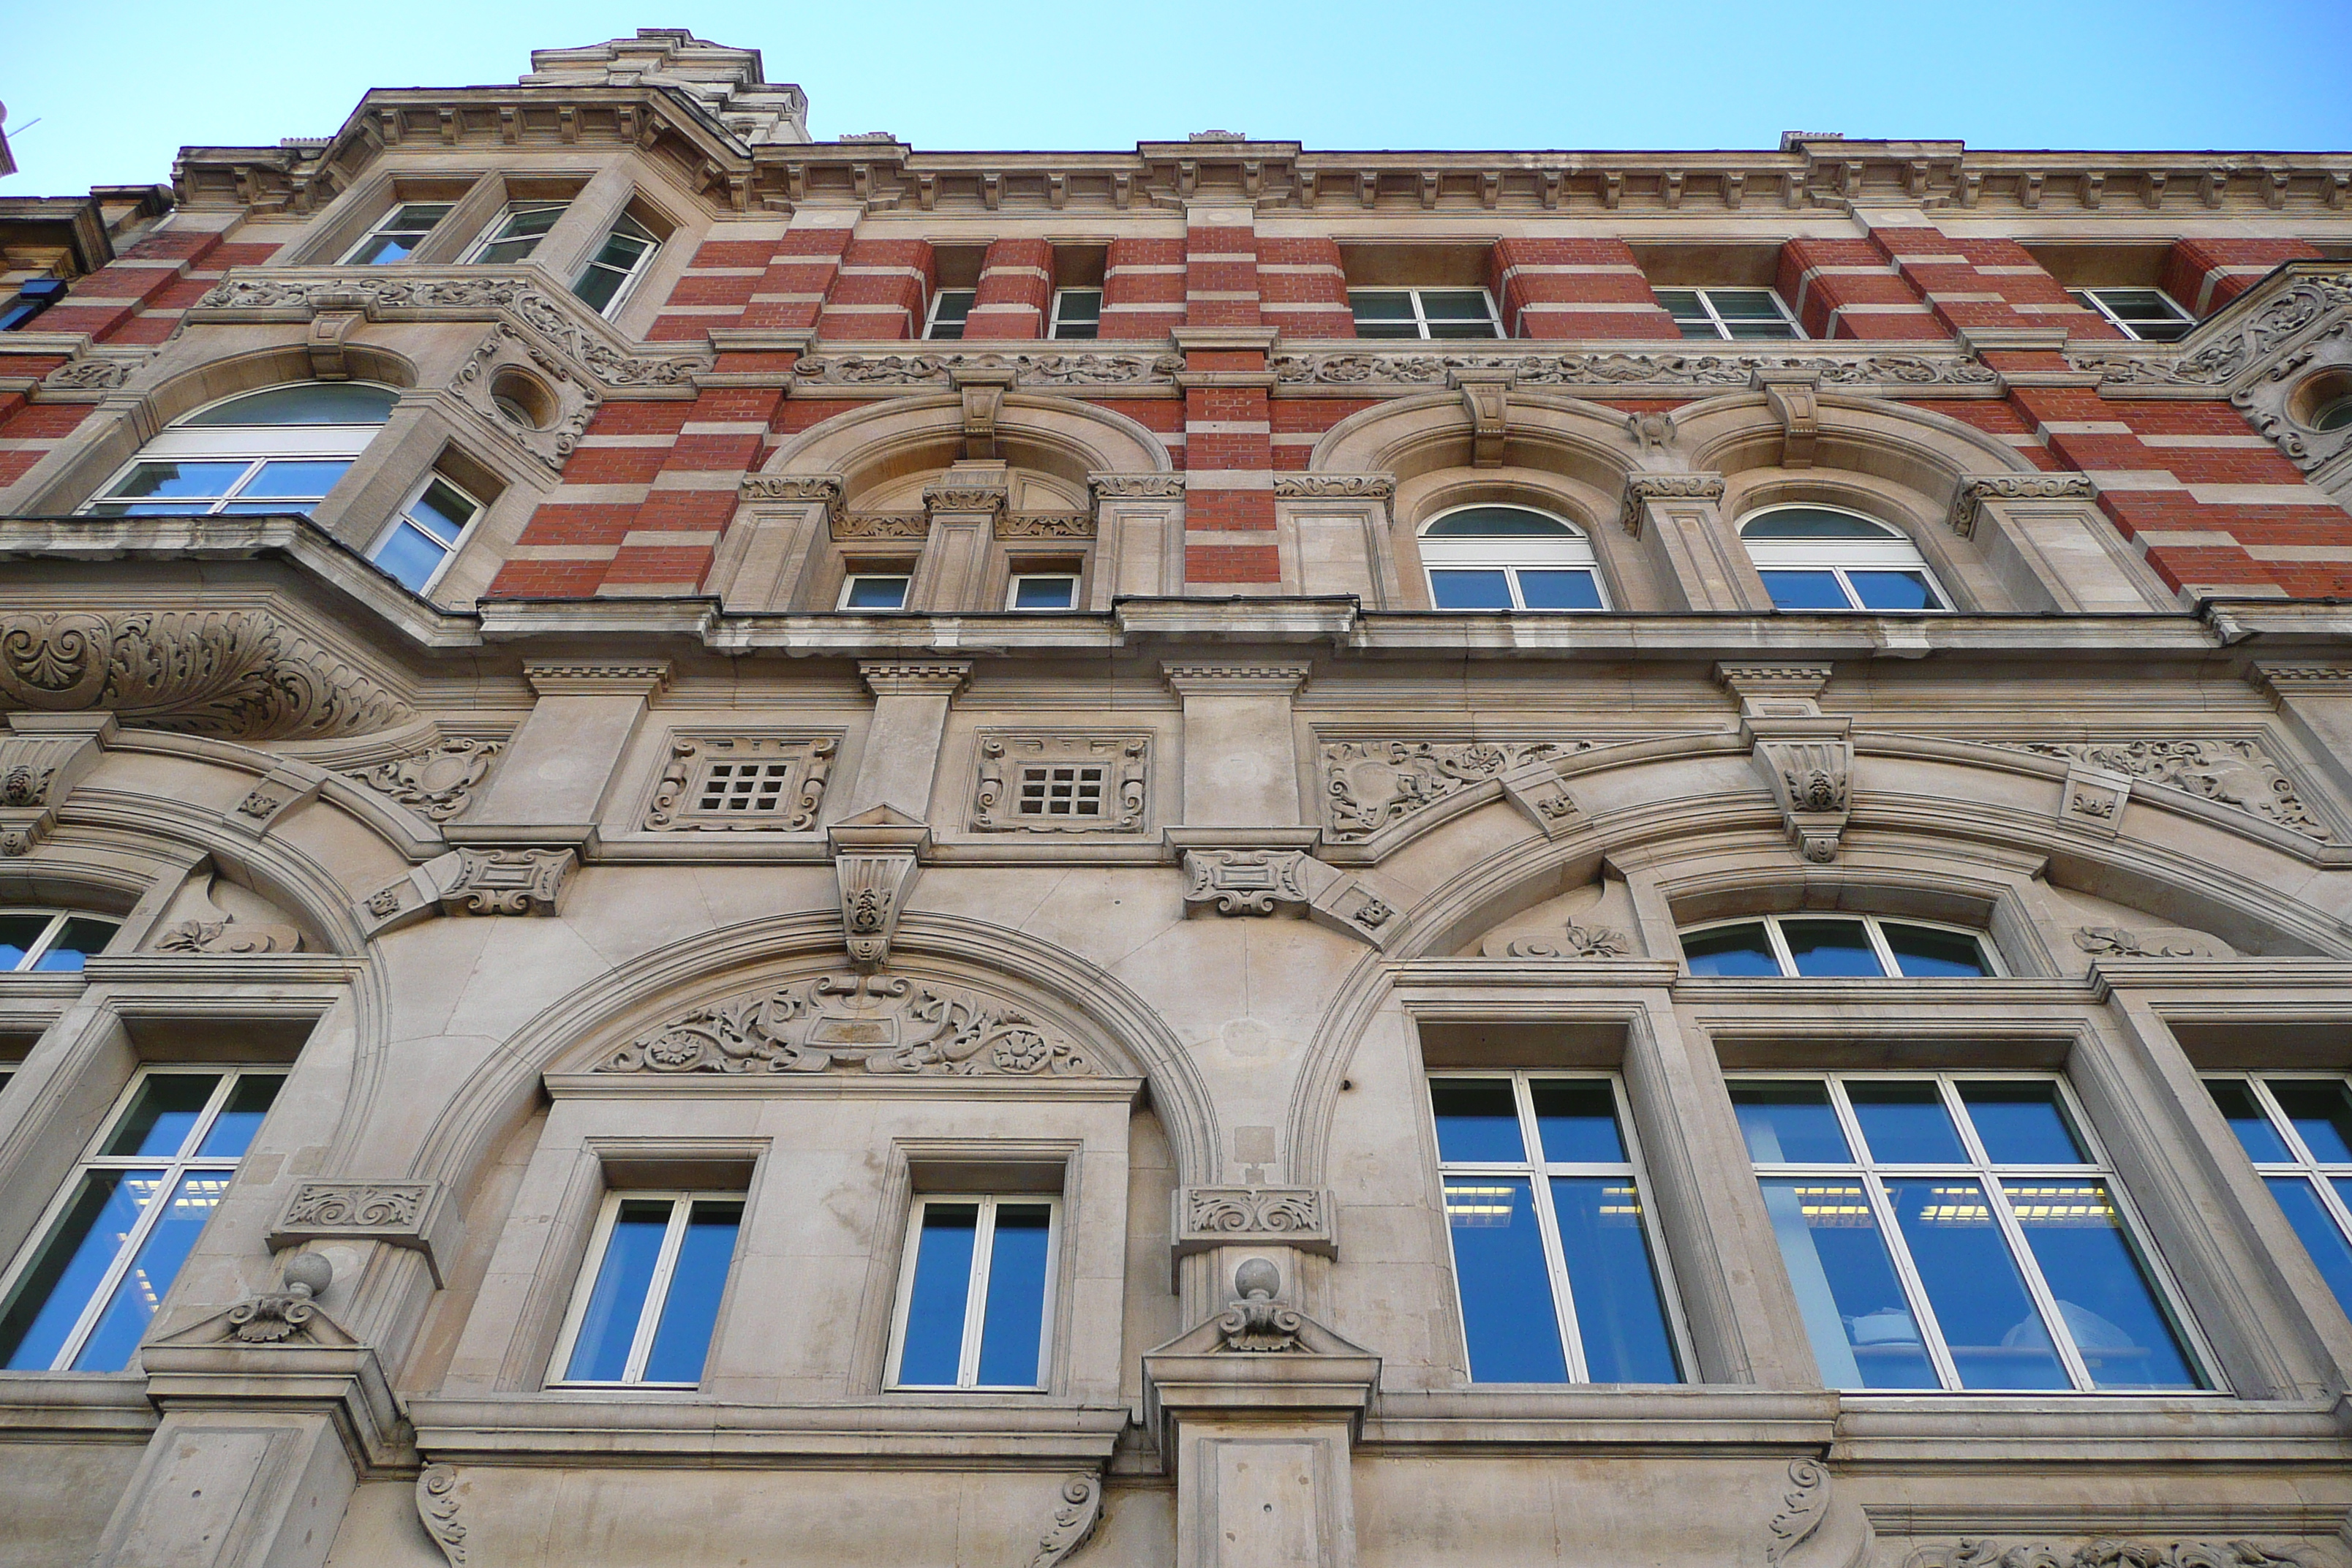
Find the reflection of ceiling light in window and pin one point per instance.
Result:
(1478, 1206)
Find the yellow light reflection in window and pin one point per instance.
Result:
(2082, 1203)
(1834, 1207)
(1468, 1206)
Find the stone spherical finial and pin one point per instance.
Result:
(1258, 1279)
(310, 1272)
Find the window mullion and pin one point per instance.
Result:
(174, 1166)
(40, 946)
(2285, 1123)
(1781, 956)
(1538, 1174)
(976, 1301)
(649, 1310)
(1887, 968)
(1923, 1309)
(2045, 1301)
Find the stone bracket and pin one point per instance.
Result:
(1795, 400)
(877, 856)
(1200, 1219)
(473, 881)
(330, 330)
(1537, 789)
(1224, 877)
(1487, 396)
(42, 757)
(1811, 778)
(982, 388)
(417, 1216)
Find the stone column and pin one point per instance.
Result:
(901, 755)
(951, 578)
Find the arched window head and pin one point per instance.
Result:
(281, 449)
(1824, 557)
(1508, 558)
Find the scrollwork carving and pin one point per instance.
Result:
(2300, 305)
(1621, 369)
(1031, 783)
(1335, 487)
(438, 1506)
(507, 881)
(1073, 1521)
(1237, 1212)
(1575, 941)
(90, 375)
(2107, 1551)
(1803, 1508)
(2237, 773)
(1028, 369)
(1368, 784)
(1978, 490)
(1246, 882)
(1642, 489)
(772, 784)
(1046, 525)
(436, 783)
(2120, 942)
(226, 937)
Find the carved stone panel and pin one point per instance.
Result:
(528, 392)
(1248, 882)
(2232, 773)
(1218, 1217)
(1036, 781)
(1368, 784)
(735, 784)
(507, 881)
(396, 1212)
(436, 783)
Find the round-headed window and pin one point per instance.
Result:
(1510, 557)
(281, 449)
(1826, 558)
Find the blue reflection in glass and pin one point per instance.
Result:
(1893, 591)
(1831, 950)
(1477, 1120)
(1550, 589)
(1506, 1307)
(1013, 1322)
(50, 1298)
(297, 477)
(1862, 1329)
(617, 1301)
(1453, 588)
(2330, 1253)
(932, 1352)
(696, 1281)
(2103, 1296)
(1905, 1122)
(232, 1130)
(162, 1114)
(1576, 1120)
(1996, 1337)
(1619, 1312)
(1789, 1124)
(2021, 1123)
(1804, 590)
(2244, 1114)
(2319, 1109)
(119, 1328)
(1730, 949)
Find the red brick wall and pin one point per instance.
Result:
(1563, 288)
(2203, 275)
(1016, 290)
(1302, 289)
(1143, 289)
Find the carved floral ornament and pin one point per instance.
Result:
(1630, 368)
(1028, 369)
(572, 402)
(2303, 304)
(2104, 1552)
(887, 1026)
(1368, 784)
(436, 783)
(2230, 772)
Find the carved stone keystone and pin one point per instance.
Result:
(1486, 395)
(876, 858)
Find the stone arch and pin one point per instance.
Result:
(1054, 987)
(873, 445)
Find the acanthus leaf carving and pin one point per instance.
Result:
(1335, 487)
(2232, 773)
(1255, 1323)
(1075, 1520)
(1233, 1213)
(1136, 487)
(880, 524)
(887, 1026)
(1368, 784)
(436, 783)
(939, 369)
(1642, 489)
(2121, 942)
(1811, 779)
(1575, 941)
(226, 937)
(2107, 1551)
(1803, 1508)
(1046, 525)
(1628, 368)
(441, 1509)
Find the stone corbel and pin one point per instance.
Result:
(330, 330)
(877, 856)
(982, 388)
(1795, 400)
(417, 1216)
(1302, 1218)
(1805, 755)
(42, 757)
(1642, 488)
(1486, 394)
(1976, 489)
(1269, 871)
(472, 881)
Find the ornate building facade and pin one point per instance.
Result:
(719, 848)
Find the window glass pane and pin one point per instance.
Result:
(932, 1351)
(1893, 590)
(1996, 1337)
(51, 1296)
(162, 1114)
(1804, 591)
(1811, 523)
(305, 403)
(380, 249)
(1454, 304)
(1380, 304)
(1452, 588)
(682, 1341)
(415, 216)
(2138, 304)
(2021, 1123)
(1496, 522)
(1576, 1121)
(2318, 1110)
(1386, 330)
(1701, 329)
(1507, 1316)
(1015, 1320)
(875, 593)
(1478, 329)
(1906, 1123)
(181, 479)
(231, 1133)
(1556, 590)
(307, 477)
(2244, 1114)
(1862, 1329)
(2321, 1237)
(2103, 1297)
(1045, 593)
(1924, 952)
(1680, 302)
(1829, 949)
(601, 1353)
(1788, 1124)
(621, 251)
(410, 555)
(115, 1338)
(2165, 332)
(946, 330)
(82, 937)
(17, 935)
(1731, 950)
(1477, 1120)
(442, 511)
(1774, 329)
(1734, 303)
(1619, 1313)
(597, 285)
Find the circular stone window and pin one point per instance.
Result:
(523, 399)
(2324, 401)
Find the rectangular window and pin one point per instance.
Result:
(1734, 314)
(2147, 314)
(425, 534)
(875, 588)
(31, 300)
(617, 265)
(949, 307)
(1423, 313)
(1957, 1231)
(975, 1293)
(1042, 591)
(1553, 1252)
(649, 1298)
(397, 236)
(1077, 313)
(515, 233)
(81, 1296)
(2297, 1129)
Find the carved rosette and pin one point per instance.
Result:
(2232, 773)
(1368, 784)
(883, 1025)
(436, 783)
(1642, 489)
(1979, 489)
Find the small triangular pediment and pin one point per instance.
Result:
(264, 1322)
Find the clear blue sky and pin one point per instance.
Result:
(117, 87)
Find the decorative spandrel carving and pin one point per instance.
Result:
(1032, 783)
(737, 784)
(1368, 784)
(2108, 1551)
(881, 1024)
(2301, 305)
(226, 937)
(1628, 368)
(2121, 942)
(1574, 942)
(436, 783)
(1974, 491)
(231, 674)
(2231, 772)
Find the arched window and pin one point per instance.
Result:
(1824, 557)
(48, 939)
(1508, 558)
(281, 449)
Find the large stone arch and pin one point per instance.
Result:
(873, 446)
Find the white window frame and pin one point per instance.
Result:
(1053, 326)
(2303, 1163)
(49, 933)
(175, 1167)
(1013, 591)
(1986, 950)
(1421, 317)
(256, 443)
(1893, 552)
(490, 234)
(2094, 301)
(1722, 324)
(1511, 553)
(1980, 1168)
(400, 519)
(385, 225)
(657, 1299)
(857, 575)
(630, 278)
(1538, 1171)
(975, 1298)
(931, 313)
